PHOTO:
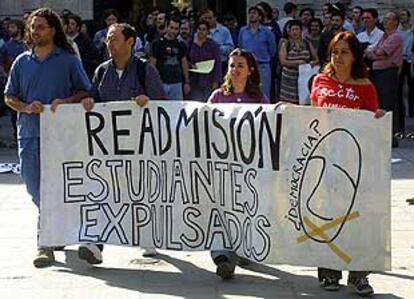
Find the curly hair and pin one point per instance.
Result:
(253, 83)
(55, 22)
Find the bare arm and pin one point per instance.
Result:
(14, 103)
(76, 98)
(283, 57)
(21, 107)
(314, 55)
(184, 66)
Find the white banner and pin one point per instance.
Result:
(308, 186)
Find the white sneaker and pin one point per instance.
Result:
(90, 253)
(149, 252)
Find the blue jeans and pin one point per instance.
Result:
(29, 155)
(200, 93)
(231, 256)
(266, 78)
(174, 91)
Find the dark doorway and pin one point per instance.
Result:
(238, 8)
(124, 7)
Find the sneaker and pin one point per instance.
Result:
(90, 253)
(361, 286)
(330, 284)
(44, 258)
(225, 270)
(149, 252)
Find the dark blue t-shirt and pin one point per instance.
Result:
(169, 54)
(59, 75)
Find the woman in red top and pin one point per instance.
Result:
(344, 83)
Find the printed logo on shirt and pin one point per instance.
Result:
(346, 93)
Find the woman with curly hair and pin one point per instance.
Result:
(241, 82)
(241, 85)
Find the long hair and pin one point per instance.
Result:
(253, 83)
(54, 21)
(359, 69)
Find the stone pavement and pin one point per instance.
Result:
(125, 274)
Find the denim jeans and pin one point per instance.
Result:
(29, 155)
(265, 78)
(174, 91)
(200, 93)
(231, 256)
(336, 274)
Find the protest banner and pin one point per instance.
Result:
(303, 186)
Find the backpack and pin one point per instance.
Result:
(141, 72)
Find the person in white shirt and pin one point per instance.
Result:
(290, 10)
(406, 75)
(372, 34)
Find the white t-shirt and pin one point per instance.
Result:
(372, 38)
(282, 22)
(119, 72)
(348, 26)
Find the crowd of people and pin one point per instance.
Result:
(50, 59)
(175, 42)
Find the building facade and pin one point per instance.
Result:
(16, 8)
(92, 9)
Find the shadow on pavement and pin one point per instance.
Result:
(402, 276)
(10, 179)
(201, 282)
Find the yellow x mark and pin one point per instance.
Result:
(320, 231)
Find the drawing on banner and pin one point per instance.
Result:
(315, 168)
(220, 177)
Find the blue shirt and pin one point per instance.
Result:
(110, 87)
(97, 39)
(222, 36)
(99, 44)
(10, 50)
(408, 40)
(260, 43)
(59, 75)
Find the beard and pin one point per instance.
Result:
(13, 34)
(336, 27)
(39, 42)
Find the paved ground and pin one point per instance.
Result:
(125, 274)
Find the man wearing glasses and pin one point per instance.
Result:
(49, 73)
